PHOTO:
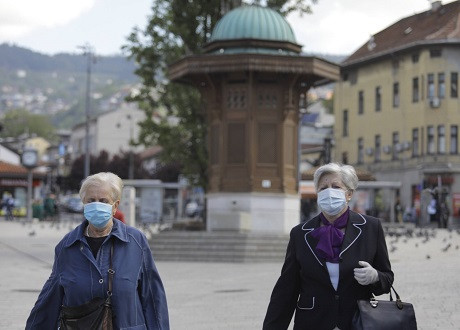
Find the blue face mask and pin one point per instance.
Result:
(331, 201)
(98, 214)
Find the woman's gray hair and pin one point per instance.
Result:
(347, 174)
(101, 178)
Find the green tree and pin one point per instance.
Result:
(20, 121)
(118, 164)
(329, 105)
(172, 32)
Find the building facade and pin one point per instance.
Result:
(110, 131)
(397, 109)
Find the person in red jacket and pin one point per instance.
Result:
(119, 215)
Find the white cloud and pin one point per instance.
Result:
(342, 26)
(19, 17)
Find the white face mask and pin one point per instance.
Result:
(331, 201)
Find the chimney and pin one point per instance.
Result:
(435, 5)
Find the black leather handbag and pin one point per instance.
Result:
(373, 314)
(93, 315)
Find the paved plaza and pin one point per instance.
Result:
(235, 295)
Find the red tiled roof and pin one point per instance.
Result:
(429, 27)
(11, 170)
(8, 168)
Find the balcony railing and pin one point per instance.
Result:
(434, 162)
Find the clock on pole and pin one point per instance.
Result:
(29, 158)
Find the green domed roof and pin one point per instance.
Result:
(253, 22)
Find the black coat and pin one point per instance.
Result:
(305, 285)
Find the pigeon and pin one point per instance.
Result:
(32, 233)
(446, 248)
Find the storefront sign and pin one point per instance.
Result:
(433, 180)
(13, 183)
(456, 204)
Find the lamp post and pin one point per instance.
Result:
(131, 156)
(302, 111)
(29, 160)
(88, 51)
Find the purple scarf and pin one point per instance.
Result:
(330, 237)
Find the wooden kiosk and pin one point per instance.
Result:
(251, 76)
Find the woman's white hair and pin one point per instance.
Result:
(347, 174)
(103, 178)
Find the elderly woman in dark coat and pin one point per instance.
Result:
(332, 260)
(82, 260)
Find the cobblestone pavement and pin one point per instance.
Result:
(235, 296)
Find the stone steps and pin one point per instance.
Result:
(218, 247)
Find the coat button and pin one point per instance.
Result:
(336, 297)
(101, 281)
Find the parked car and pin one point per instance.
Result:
(73, 204)
(193, 209)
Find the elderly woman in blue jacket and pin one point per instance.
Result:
(332, 260)
(81, 263)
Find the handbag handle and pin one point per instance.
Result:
(399, 303)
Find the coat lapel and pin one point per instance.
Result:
(353, 231)
(308, 227)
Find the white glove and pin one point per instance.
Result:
(366, 275)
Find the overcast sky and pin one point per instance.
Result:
(52, 26)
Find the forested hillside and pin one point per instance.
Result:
(55, 85)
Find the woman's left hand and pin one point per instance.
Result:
(366, 275)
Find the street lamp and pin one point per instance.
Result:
(88, 51)
(131, 160)
(29, 160)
